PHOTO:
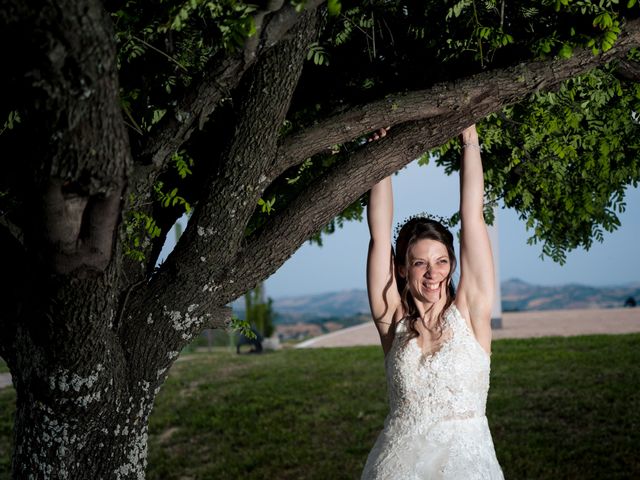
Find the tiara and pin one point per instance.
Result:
(447, 222)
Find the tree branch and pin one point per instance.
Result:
(477, 97)
(515, 82)
(271, 246)
(216, 228)
(273, 25)
(218, 223)
(629, 70)
(223, 75)
(79, 230)
(12, 228)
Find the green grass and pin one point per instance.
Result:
(558, 408)
(7, 402)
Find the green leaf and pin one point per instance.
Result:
(566, 51)
(241, 326)
(334, 7)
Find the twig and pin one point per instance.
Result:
(160, 52)
(126, 299)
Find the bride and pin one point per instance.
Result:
(436, 340)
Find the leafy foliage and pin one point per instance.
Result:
(380, 47)
(170, 199)
(140, 227)
(171, 44)
(258, 311)
(243, 327)
(367, 50)
(12, 119)
(563, 159)
(140, 230)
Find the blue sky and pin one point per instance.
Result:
(340, 263)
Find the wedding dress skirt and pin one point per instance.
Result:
(436, 427)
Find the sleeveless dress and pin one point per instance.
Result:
(436, 427)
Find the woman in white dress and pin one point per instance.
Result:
(436, 340)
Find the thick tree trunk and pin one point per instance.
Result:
(73, 434)
(90, 346)
(82, 406)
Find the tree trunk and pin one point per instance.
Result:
(108, 440)
(82, 405)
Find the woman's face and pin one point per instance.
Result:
(428, 268)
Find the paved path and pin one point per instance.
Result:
(514, 325)
(5, 380)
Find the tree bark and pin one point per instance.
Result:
(88, 361)
(442, 112)
(68, 370)
(502, 86)
(223, 76)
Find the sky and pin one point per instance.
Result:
(340, 263)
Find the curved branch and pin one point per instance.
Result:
(218, 223)
(190, 274)
(202, 99)
(223, 75)
(508, 84)
(271, 246)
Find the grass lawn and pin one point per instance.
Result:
(559, 408)
(3, 366)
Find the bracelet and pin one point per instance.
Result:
(474, 145)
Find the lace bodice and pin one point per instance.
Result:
(450, 383)
(436, 427)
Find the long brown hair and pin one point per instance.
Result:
(413, 230)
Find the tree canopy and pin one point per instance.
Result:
(562, 158)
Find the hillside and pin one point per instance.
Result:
(318, 308)
(517, 295)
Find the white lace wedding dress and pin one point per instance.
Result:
(436, 427)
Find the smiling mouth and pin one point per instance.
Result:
(432, 286)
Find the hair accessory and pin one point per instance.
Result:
(447, 222)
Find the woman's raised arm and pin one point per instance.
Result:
(381, 284)
(476, 289)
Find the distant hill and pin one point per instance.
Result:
(320, 307)
(517, 295)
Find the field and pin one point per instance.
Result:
(558, 408)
